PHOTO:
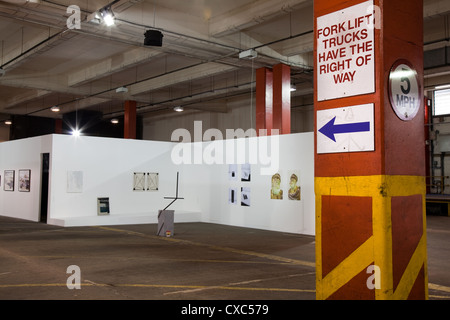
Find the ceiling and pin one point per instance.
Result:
(198, 66)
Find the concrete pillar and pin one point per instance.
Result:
(369, 142)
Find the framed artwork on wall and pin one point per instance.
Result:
(245, 197)
(232, 172)
(152, 181)
(24, 180)
(246, 172)
(103, 206)
(276, 191)
(9, 180)
(139, 181)
(232, 196)
(74, 181)
(294, 192)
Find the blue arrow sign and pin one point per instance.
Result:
(330, 129)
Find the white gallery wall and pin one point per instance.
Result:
(86, 168)
(15, 156)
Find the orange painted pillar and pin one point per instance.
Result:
(282, 98)
(264, 99)
(369, 150)
(58, 126)
(130, 120)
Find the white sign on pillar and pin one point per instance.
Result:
(404, 90)
(345, 52)
(348, 129)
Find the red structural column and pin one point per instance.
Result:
(264, 99)
(130, 120)
(282, 98)
(58, 126)
(369, 150)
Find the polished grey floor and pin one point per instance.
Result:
(202, 261)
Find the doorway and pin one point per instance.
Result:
(44, 186)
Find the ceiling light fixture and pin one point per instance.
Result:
(115, 121)
(178, 109)
(108, 16)
(293, 88)
(121, 89)
(55, 109)
(8, 122)
(248, 54)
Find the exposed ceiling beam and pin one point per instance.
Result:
(195, 72)
(111, 65)
(251, 14)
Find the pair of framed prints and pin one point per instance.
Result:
(23, 181)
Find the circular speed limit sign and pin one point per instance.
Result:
(404, 90)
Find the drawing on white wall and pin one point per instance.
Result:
(245, 172)
(232, 195)
(275, 191)
(102, 206)
(294, 192)
(139, 181)
(232, 172)
(9, 180)
(245, 197)
(152, 181)
(74, 181)
(24, 180)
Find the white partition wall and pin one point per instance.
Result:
(84, 169)
(259, 209)
(116, 169)
(15, 157)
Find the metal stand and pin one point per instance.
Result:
(166, 217)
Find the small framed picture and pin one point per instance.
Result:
(8, 184)
(24, 180)
(103, 206)
(139, 181)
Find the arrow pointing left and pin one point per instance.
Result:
(330, 129)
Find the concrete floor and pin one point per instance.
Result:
(202, 261)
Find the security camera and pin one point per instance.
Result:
(2, 72)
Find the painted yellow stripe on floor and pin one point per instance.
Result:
(42, 285)
(226, 249)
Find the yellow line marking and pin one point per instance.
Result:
(36, 285)
(438, 287)
(159, 259)
(440, 297)
(226, 249)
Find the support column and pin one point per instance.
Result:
(130, 120)
(58, 126)
(264, 99)
(369, 150)
(282, 98)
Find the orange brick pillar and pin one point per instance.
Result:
(264, 99)
(369, 150)
(130, 120)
